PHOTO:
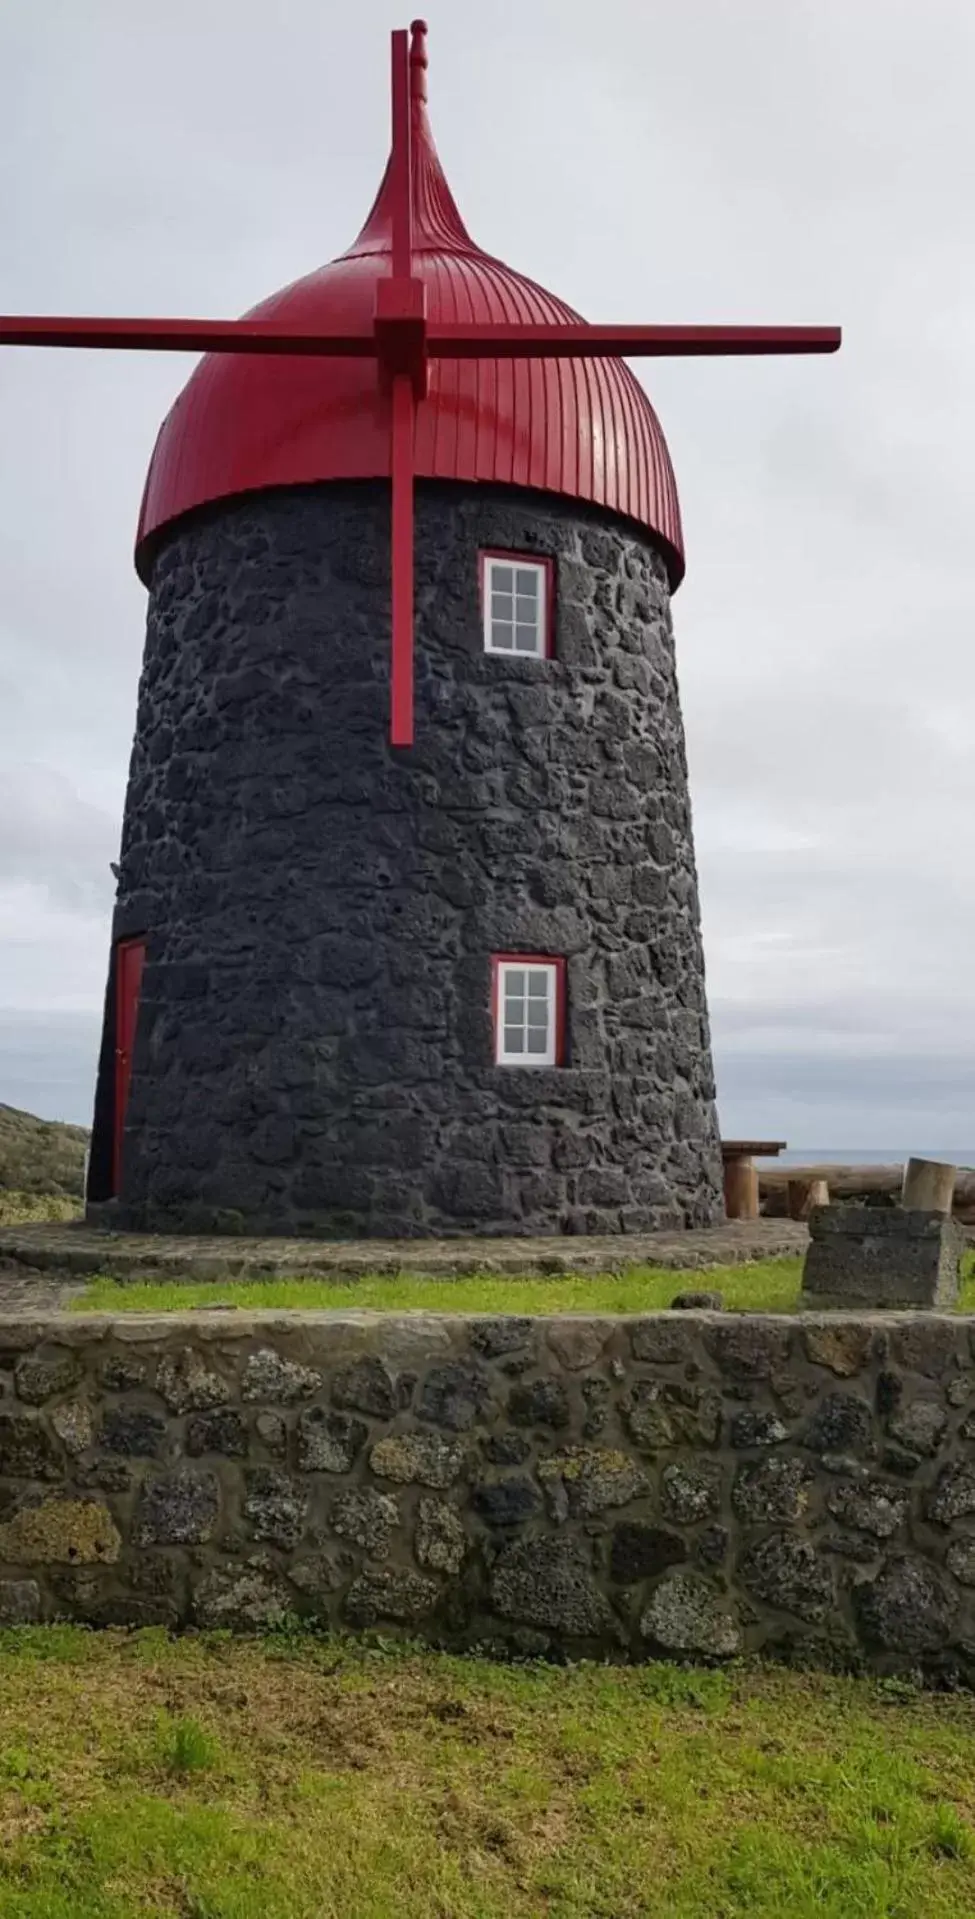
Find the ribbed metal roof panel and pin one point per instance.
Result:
(581, 428)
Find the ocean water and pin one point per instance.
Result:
(870, 1156)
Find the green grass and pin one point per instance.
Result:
(315, 1779)
(764, 1286)
(184, 1746)
(772, 1285)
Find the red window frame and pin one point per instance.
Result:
(529, 959)
(547, 565)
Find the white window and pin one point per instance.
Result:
(516, 606)
(527, 1012)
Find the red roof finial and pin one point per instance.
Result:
(437, 225)
(419, 61)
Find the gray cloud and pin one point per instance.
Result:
(714, 161)
(49, 1063)
(54, 840)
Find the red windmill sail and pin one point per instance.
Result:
(461, 350)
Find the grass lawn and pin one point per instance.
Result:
(764, 1286)
(773, 1284)
(295, 1778)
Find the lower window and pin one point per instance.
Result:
(529, 1010)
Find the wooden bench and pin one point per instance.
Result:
(741, 1173)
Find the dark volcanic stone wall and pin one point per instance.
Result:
(697, 1485)
(314, 1051)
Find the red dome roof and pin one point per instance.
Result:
(583, 428)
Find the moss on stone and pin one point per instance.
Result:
(73, 1532)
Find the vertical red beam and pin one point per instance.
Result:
(401, 400)
(129, 961)
(401, 161)
(401, 673)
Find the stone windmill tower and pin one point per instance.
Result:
(360, 987)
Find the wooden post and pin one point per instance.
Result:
(741, 1188)
(741, 1174)
(929, 1186)
(804, 1194)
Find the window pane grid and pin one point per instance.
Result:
(517, 611)
(527, 1006)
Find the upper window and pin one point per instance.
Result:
(528, 1011)
(517, 595)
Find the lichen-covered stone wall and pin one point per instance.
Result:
(688, 1484)
(315, 1047)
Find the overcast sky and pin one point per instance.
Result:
(720, 160)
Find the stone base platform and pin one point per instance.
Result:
(72, 1250)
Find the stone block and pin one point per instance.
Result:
(179, 1510)
(909, 1608)
(454, 1396)
(548, 1583)
(771, 1490)
(585, 1480)
(507, 1502)
(687, 1616)
(329, 1442)
(400, 1595)
(41, 1375)
(440, 1541)
(365, 1387)
(422, 1459)
(135, 1431)
(267, 1376)
(639, 1550)
(20, 1602)
(27, 1450)
(247, 1600)
(275, 1507)
(219, 1431)
(78, 1531)
(187, 1384)
(862, 1256)
(540, 1402)
(691, 1490)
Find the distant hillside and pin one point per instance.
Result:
(41, 1156)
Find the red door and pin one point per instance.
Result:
(129, 960)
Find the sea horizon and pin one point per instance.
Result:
(871, 1155)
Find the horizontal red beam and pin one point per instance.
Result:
(455, 342)
(183, 336)
(566, 340)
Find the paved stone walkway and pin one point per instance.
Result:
(37, 1261)
(23, 1290)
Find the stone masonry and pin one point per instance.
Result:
(860, 1257)
(314, 1052)
(687, 1484)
